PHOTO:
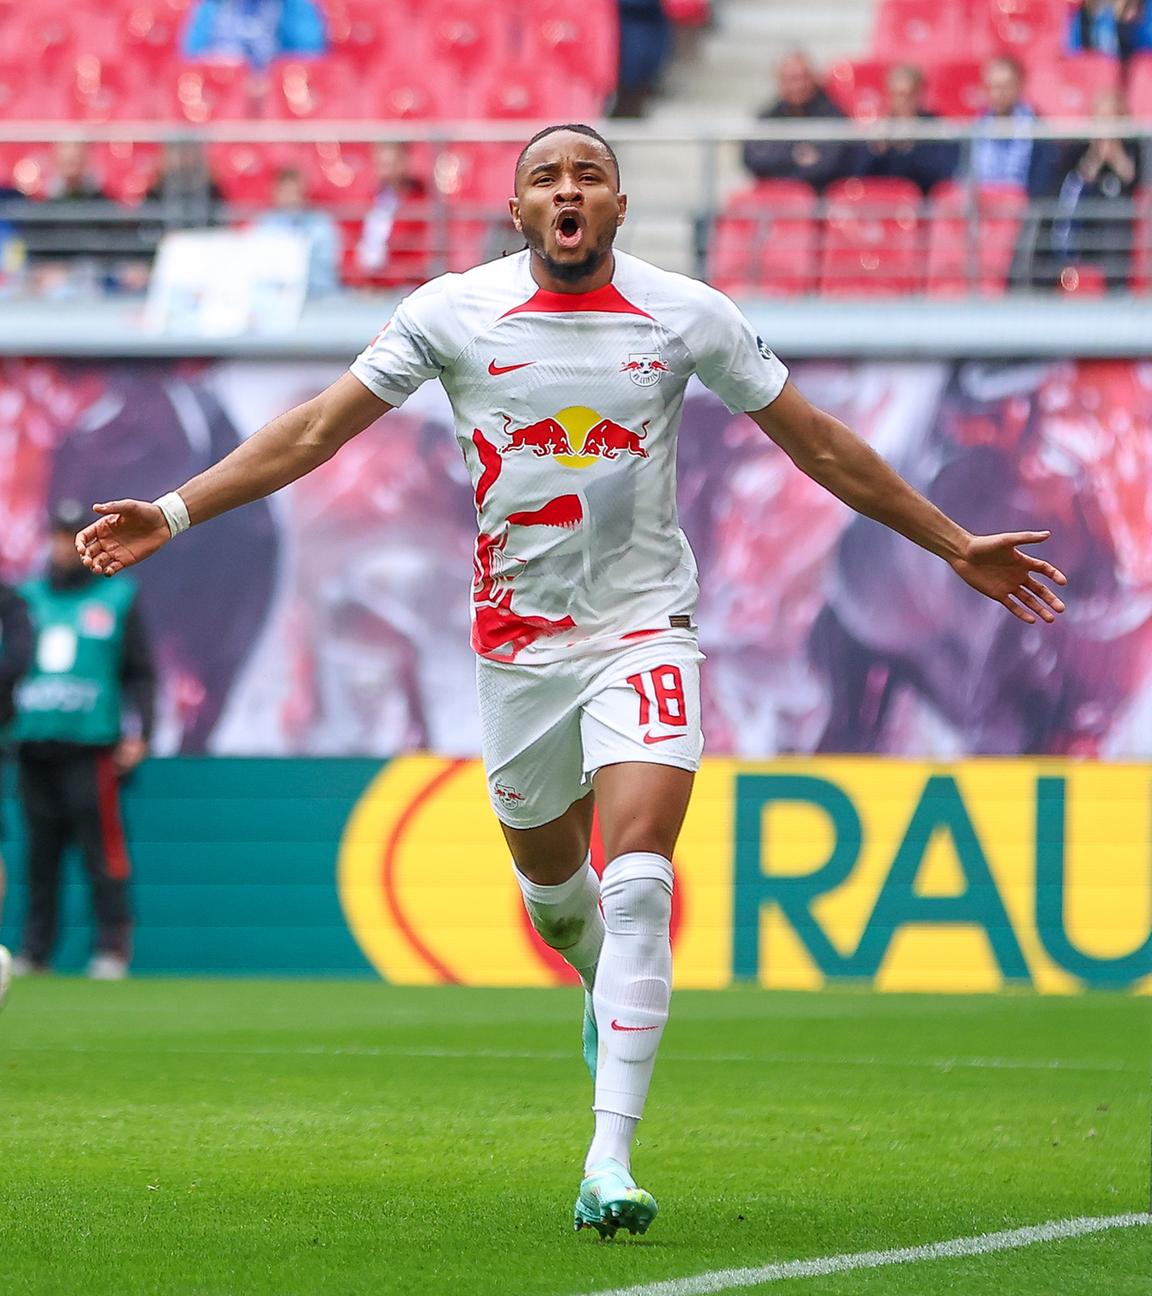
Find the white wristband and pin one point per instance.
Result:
(175, 512)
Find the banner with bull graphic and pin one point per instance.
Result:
(335, 617)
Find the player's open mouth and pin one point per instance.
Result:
(569, 229)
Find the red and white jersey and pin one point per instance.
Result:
(567, 408)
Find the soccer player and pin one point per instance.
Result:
(566, 366)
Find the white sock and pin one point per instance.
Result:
(633, 986)
(613, 1138)
(567, 917)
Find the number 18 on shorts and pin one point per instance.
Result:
(547, 728)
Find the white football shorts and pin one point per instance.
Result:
(546, 729)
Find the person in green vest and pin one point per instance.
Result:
(84, 719)
(15, 654)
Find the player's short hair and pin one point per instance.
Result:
(577, 128)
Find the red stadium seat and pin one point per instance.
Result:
(15, 77)
(326, 89)
(469, 36)
(766, 240)
(204, 92)
(412, 93)
(955, 89)
(244, 172)
(1068, 87)
(919, 31)
(476, 181)
(860, 87)
(688, 13)
(128, 169)
(476, 173)
(526, 91)
(970, 248)
(872, 238)
(1140, 86)
(1028, 29)
(581, 45)
(100, 90)
(410, 250)
(339, 174)
(43, 38)
(151, 37)
(362, 32)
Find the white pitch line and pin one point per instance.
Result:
(943, 1065)
(723, 1280)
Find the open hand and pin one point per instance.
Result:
(129, 532)
(996, 567)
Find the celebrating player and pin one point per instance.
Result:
(566, 366)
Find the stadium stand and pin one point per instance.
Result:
(448, 60)
(972, 235)
(872, 239)
(968, 239)
(767, 239)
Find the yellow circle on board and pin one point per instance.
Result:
(426, 882)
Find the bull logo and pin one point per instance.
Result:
(644, 368)
(575, 437)
(608, 439)
(546, 437)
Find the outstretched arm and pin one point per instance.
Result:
(842, 463)
(282, 451)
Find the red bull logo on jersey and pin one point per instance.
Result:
(544, 437)
(576, 437)
(645, 368)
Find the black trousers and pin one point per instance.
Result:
(71, 796)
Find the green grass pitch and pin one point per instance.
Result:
(200, 1138)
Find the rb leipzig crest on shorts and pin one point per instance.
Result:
(644, 368)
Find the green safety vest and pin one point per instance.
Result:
(71, 692)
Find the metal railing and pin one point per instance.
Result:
(959, 244)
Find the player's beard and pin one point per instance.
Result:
(572, 271)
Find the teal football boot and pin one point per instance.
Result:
(609, 1200)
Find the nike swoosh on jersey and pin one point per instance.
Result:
(496, 370)
(617, 1027)
(650, 738)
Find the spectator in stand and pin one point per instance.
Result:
(924, 162)
(12, 248)
(185, 187)
(254, 31)
(291, 214)
(800, 96)
(1116, 27)
(56, 239)
(397, 186)
(76, 235)
(1091, 175)
(645, 40)
(71, 178)
(1015, 161)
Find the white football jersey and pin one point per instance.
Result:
(567, 408)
